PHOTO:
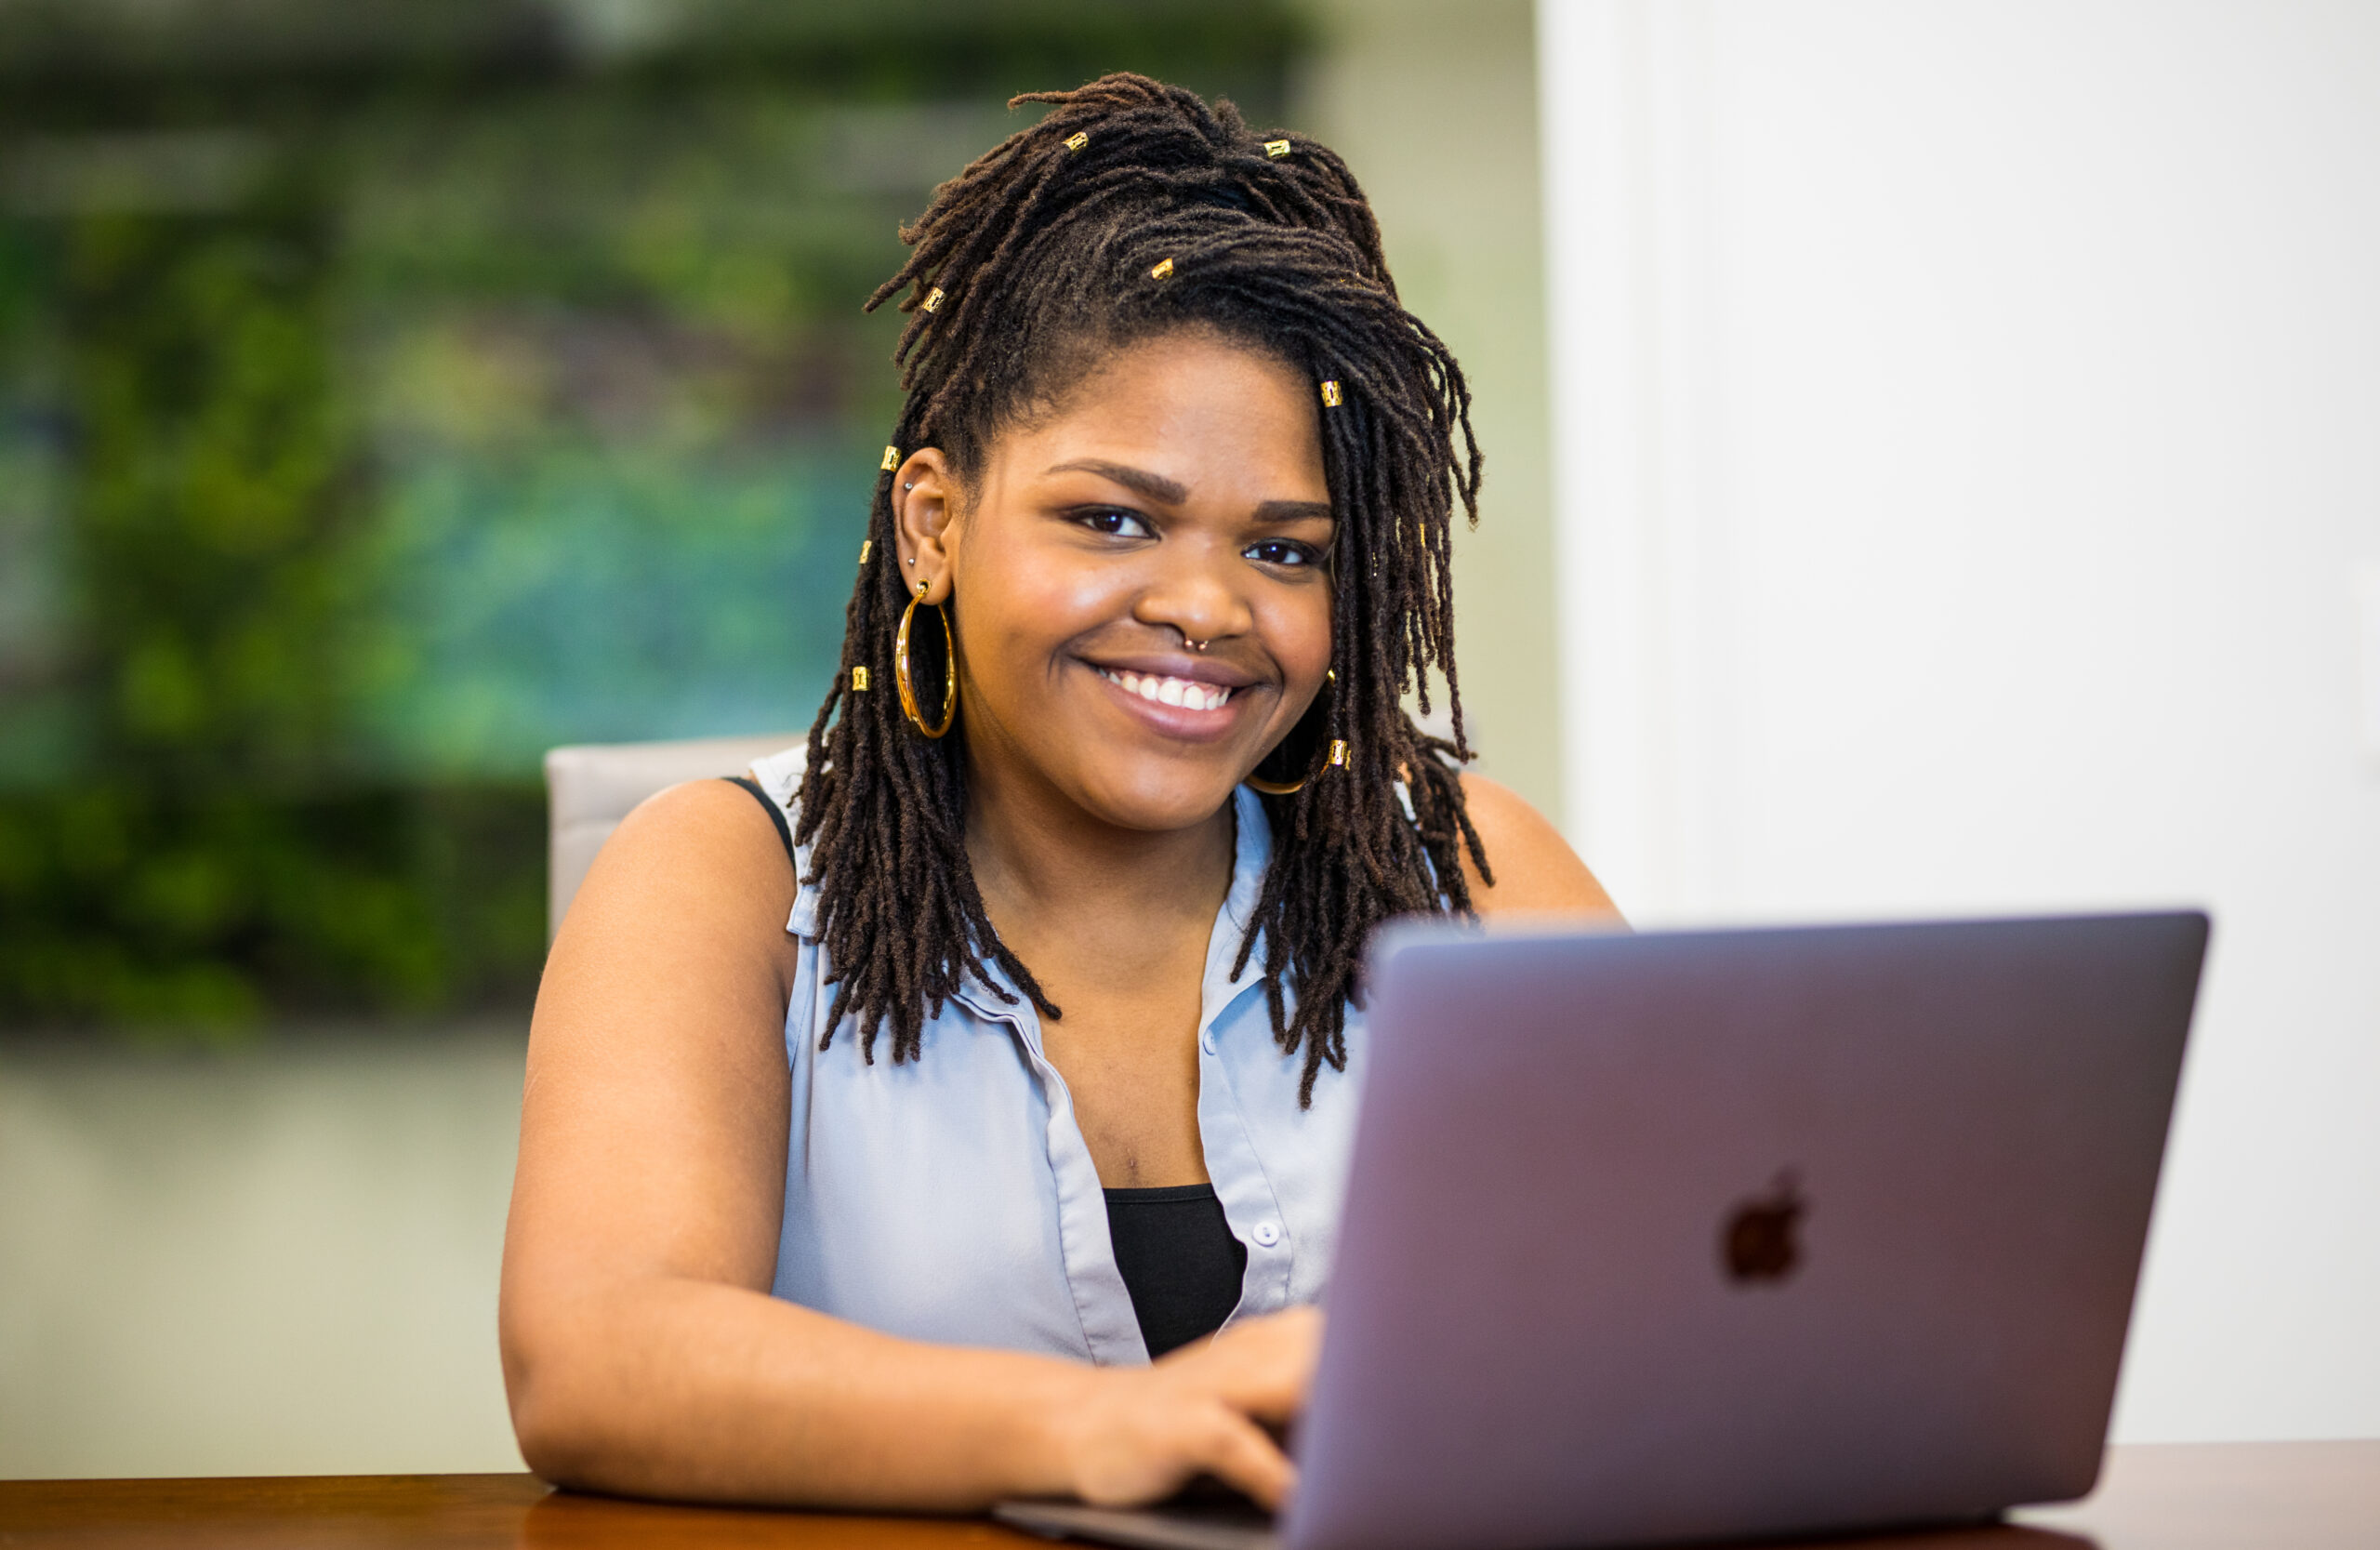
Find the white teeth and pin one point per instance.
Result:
(1186, 693)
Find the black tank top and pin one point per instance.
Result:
(1180, 1261)
(1174, 1246)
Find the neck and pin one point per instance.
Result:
(1053, 877)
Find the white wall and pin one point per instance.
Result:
(1967, 430)
(279, 1258)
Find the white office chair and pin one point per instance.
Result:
(590, 786)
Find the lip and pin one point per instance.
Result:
(1176, 722)
(1164, 664)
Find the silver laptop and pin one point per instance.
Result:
(1703, 1235)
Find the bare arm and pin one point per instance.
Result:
(643, 1352)
(1536, 872)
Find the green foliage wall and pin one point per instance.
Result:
(215, 847)
(389, 391)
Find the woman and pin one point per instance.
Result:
(874, 1178)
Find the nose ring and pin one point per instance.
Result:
(1196, 645)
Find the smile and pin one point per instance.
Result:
(1186, 693)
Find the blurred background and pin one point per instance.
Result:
(1932, 468)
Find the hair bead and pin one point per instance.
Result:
(1076, 140)
(1331, 397)
(865, 545)
(1276, 149)
(1339, 752)
(1162, 271)
(859, 679)
(892, 460)
(933, 299)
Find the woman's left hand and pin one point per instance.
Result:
(1142, 1434)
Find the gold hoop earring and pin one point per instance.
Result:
(1338, 751)
(950, 670)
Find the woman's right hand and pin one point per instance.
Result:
(1139, 1434)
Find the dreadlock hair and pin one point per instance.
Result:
(1134, 209)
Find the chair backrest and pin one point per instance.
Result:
(590, 786)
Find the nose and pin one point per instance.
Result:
(1196, 591)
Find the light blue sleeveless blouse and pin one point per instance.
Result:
(952, 1198)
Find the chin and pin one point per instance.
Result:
(1161, 800)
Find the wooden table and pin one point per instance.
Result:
(2237, 1496)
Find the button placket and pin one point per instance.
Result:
(1103, 1304)
(1250, 1203)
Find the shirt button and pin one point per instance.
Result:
(1267, 1233)
(1207, 1040)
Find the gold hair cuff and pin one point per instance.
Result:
(892, 460)
(865, 545)
(1162, 269)
(1076, 140)
(933, 299)
(1339, 752)
(1276, 149)
(1330, 398)
(859, 678)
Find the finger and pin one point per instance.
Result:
(1292, 1331)
(1268, 1372)
(1239, 1454)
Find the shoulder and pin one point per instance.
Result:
(700, 860)
(715, 825)
(1536, 870)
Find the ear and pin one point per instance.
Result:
(925, 521)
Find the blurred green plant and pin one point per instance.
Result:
(212, 489)
(392, 391)
(216, 850)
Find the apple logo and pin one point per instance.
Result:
(1761, 1242)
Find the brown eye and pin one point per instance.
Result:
(1115, 523)
(1282, 551)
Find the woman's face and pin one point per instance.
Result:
(1176, 496)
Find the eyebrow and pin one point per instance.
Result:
(1296, 511)
(1157, 488)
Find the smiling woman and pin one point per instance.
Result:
(1177, 474)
